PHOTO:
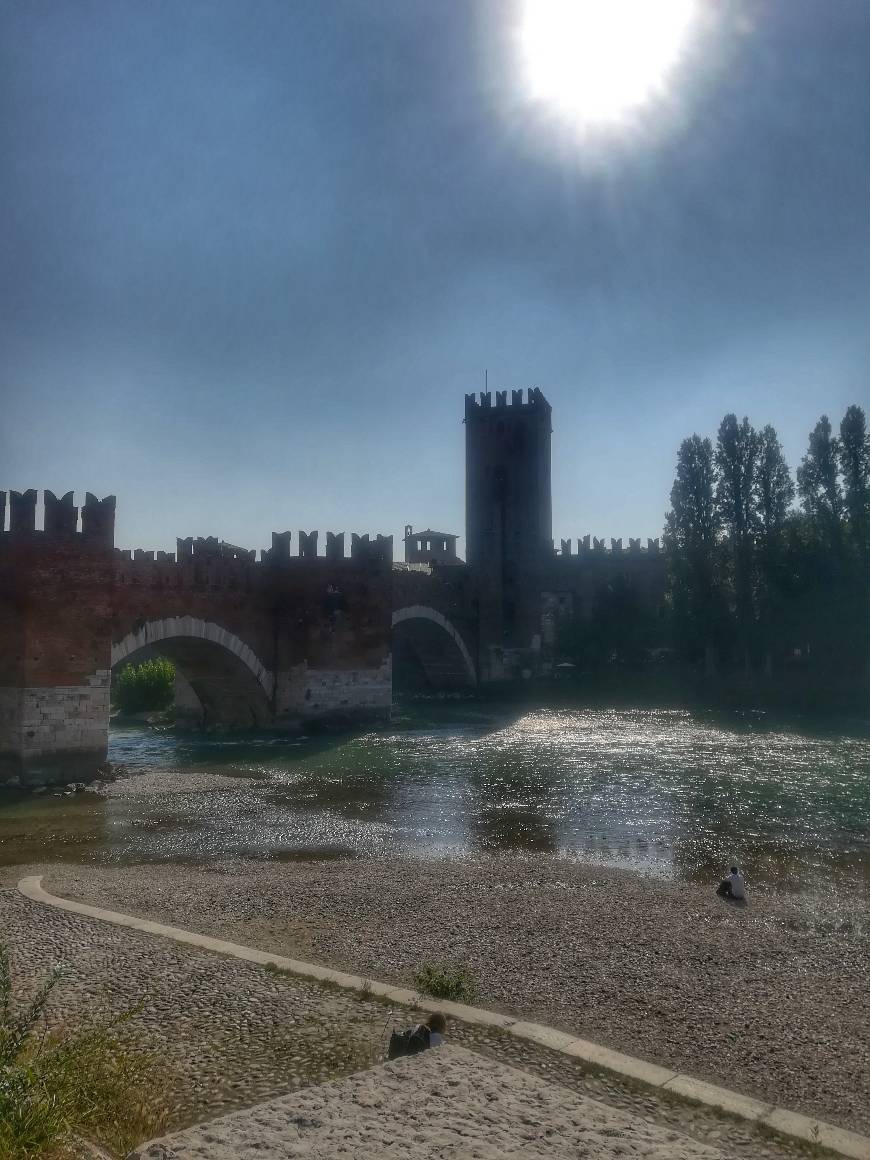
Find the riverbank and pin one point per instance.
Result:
(770, 1000)
(231, 1034)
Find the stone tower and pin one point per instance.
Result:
(508, 523)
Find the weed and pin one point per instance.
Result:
(94, 1081)
(445, 982)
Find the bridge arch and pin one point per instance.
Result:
(231, 683)
(433, 616)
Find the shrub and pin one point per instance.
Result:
(150, 685)
(445, 983)
(94, 1081)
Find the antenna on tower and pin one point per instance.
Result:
(486, 380)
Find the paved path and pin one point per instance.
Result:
(445, 1104)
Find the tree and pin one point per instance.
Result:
(831, 563)
(736, 459)
(691, 541)
(773, 495)
(692, 523)
(819, 483)
(853, 448)
(149, 686)
(773, 489)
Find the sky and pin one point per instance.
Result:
(253, 253)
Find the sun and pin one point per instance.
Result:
(598, 63)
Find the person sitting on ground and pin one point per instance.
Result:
(734, 886)
(436, 1023)
(430, 1033)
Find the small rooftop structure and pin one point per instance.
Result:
(430, 547)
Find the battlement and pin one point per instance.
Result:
(60, 516)
(363, 549)
(209, 550)
(592, 546)
(536, 402)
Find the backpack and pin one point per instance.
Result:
(409, 1042)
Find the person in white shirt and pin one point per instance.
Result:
(734, 886)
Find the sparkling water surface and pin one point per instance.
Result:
(667, 792)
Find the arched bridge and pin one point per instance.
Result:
(429, 653)
(275, 641)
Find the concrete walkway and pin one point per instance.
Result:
(804, 1128)
(443, 1103)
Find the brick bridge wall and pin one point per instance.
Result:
(268, 642)
(437, 609)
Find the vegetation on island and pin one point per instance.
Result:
(146, 687)
(93, 1082)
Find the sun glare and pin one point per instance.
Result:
(598, 62)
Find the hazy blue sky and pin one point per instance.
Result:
(253, 254)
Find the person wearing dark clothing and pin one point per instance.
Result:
(734, 886)
(428, 1034)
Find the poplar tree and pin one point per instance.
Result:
(773, 489)
(691, 541)
(736, 460)
(819, 483)
(853, 450)
(773, 495)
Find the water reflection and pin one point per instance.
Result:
(660, 791)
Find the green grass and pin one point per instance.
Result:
(454, 983)
(93, 1081)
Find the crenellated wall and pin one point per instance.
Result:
(55, 635)
(301, 630)
(317, 625)
(592, 544)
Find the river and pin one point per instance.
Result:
(665, 792)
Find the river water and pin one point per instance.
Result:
(665, 792)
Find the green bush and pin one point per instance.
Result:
(93, 1082)
(445, 983)
(149, 686)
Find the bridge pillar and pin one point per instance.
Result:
(55, 642)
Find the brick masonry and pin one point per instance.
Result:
(270, 642)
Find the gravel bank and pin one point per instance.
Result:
(234, 1035)
(757, 999)
(439, 1104)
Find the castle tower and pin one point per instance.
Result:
(508, 520)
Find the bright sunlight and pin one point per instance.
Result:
(598, 62)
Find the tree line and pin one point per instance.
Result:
(756, 582)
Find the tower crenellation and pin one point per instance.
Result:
(482, 401)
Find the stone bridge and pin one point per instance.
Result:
(297, 636)
(435, 635)
(273, 642)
